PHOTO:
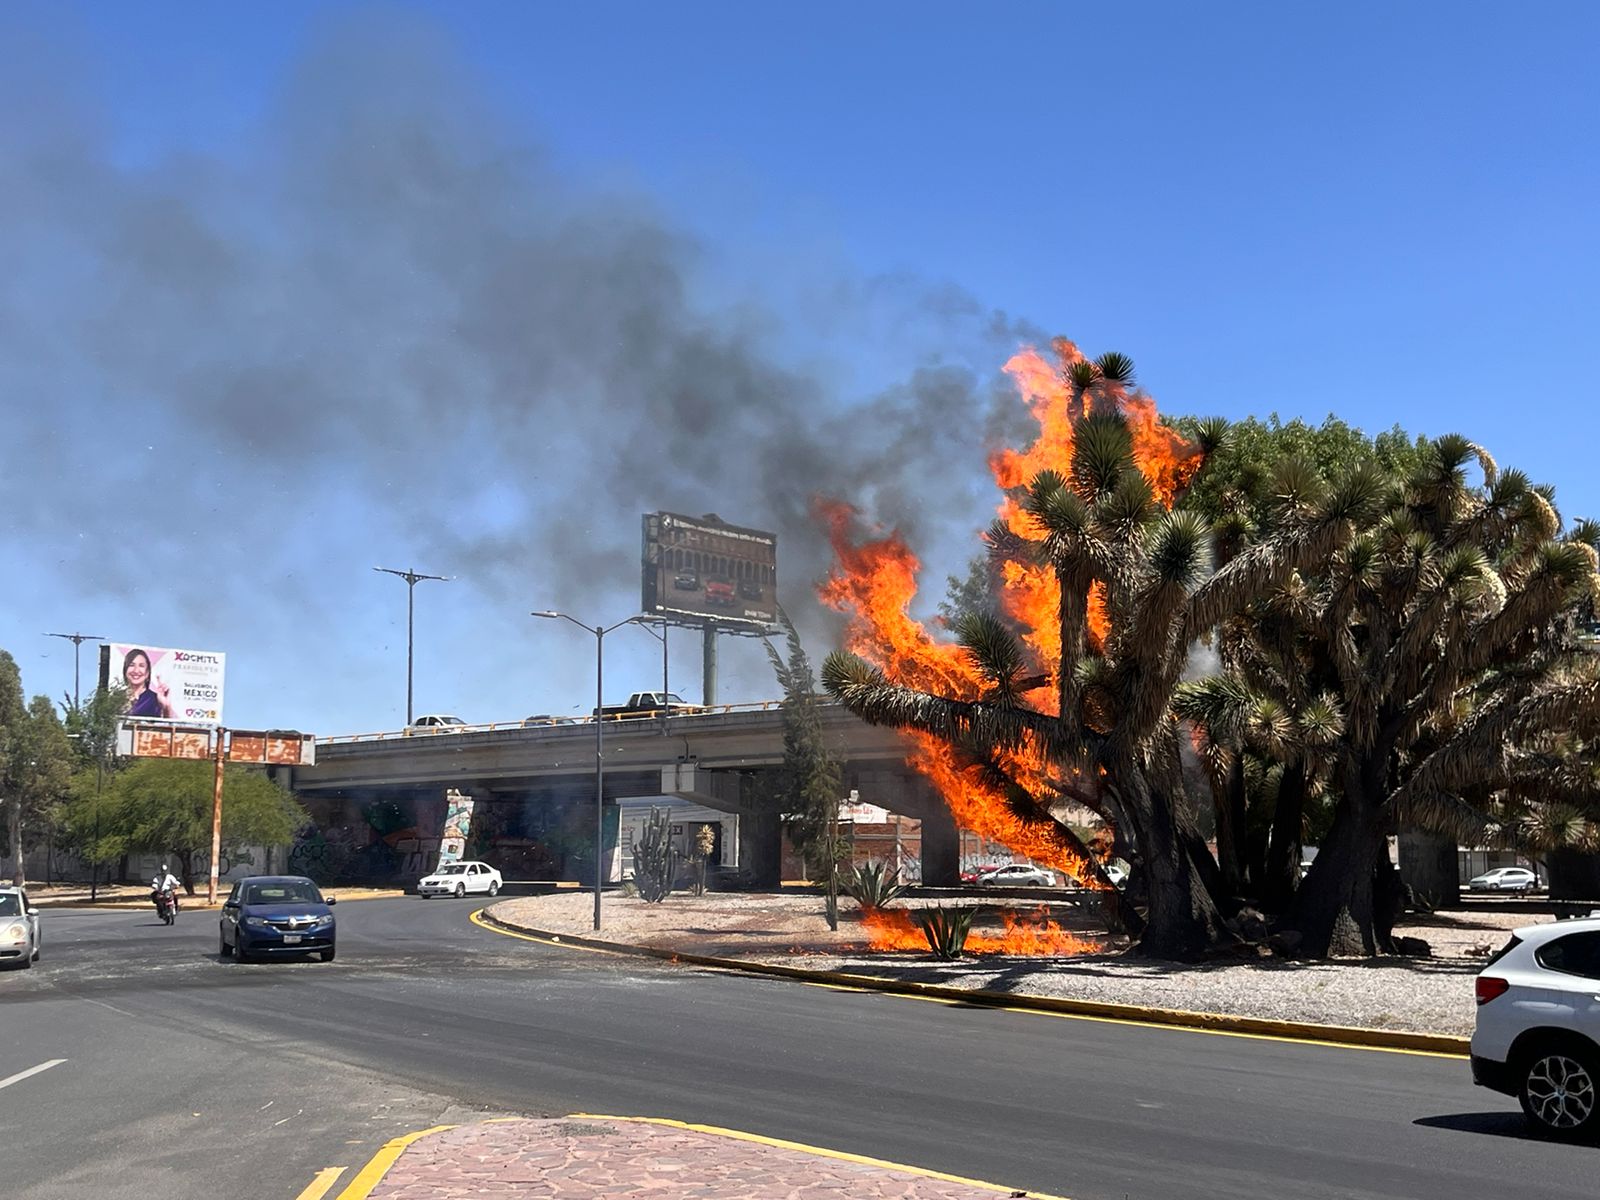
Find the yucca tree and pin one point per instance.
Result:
(1110, 738)
(1447, 624)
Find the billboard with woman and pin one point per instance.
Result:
(163, 683)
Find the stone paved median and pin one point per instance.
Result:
(587, 1158)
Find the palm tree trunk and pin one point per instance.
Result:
(1228, 800)
(1184, 922)
(1281, 875)
(1336, 909)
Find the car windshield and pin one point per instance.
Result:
(453, 869)
(288, 892)
(10, 905)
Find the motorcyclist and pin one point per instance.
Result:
(166, 883)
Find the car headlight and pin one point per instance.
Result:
(16, 933)
(322, 922)
(258, 922)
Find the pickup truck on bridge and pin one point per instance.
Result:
(649, 704)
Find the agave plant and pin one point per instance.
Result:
(945, 928)
(874, 886)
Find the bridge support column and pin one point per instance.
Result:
(761, 847)
(941, 847)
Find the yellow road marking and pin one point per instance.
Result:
(318, 1187)
(956, 1002)
(820, 1151)
(367, 1178)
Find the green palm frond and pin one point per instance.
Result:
(1083, 375)
(1179, 550)
(1268, 726)
(1587, 531)
(1128, 507)
(994, 651)
(1355, 496)
(1211, 434)
(1321, 722)
(1220, 703)
(1116, 367)
(1231, 533)
(1102, 452)
(1297, 485)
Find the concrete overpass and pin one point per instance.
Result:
(537, 779)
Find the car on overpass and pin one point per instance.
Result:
(436, 723)
(1538, 1027)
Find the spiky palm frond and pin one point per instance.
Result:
(1128, 507)
(1356, 495)
(1448, 814)
(1297, 485)
(1321, 722)
(1116, 367)
(1231, 533)
(994, 651)
(1548, 826)
(1269, 727)
(1244, 579)
(1083, 375)
(1102, 452)
(1587, 531)
(1178, 550)
(1219, 703)
(1211, 434)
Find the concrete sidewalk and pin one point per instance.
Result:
(584, 1157)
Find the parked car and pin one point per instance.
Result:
(1504, 879)
(686, 581)
(1118, 875)
(435, 722)
(1017, 875)
(978, 872)
(1538, 1027)
(19, 929)
(460, 879)
(276, 915)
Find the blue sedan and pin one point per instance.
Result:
(271, 915)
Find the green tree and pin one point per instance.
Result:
(164, 804)
(809, 781)
(35, 764)
(92, 728)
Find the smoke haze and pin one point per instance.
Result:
(385, 325)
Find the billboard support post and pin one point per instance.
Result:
(216, 818)
(708, 665)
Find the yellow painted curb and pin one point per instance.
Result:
(1395, 1041)
(821, 1152)
(378, 1165)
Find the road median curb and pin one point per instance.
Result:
(1341, 1035)
(183, 907)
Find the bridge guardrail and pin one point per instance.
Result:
(448, 731)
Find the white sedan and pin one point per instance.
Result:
(460, 879)
(1017, 875)
(1505, 879)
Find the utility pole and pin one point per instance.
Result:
(216, 817)
(77, 640)
(412, 578)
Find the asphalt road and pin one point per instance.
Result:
(185, 1076)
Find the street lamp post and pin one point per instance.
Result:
(599, 632)
(412, 578)
(666, 689)
(77, 640)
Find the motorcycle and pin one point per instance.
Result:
(166, 901)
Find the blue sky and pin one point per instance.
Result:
(1385, 211)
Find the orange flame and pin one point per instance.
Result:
(1036, 934)
(874, 581)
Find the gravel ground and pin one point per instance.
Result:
(1424, 995)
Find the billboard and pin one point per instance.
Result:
(702, 568)
(163, 683)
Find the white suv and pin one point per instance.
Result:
(1538, 1033)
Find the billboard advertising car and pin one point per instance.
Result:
(164, 683)
(703, 569)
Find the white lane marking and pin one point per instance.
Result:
(21, 1075)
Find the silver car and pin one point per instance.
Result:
(19, 929)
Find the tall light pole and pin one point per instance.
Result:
(666, 689)
(599, 632)
(412, 579)
(77, 640)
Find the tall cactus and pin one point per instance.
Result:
(655, 858)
